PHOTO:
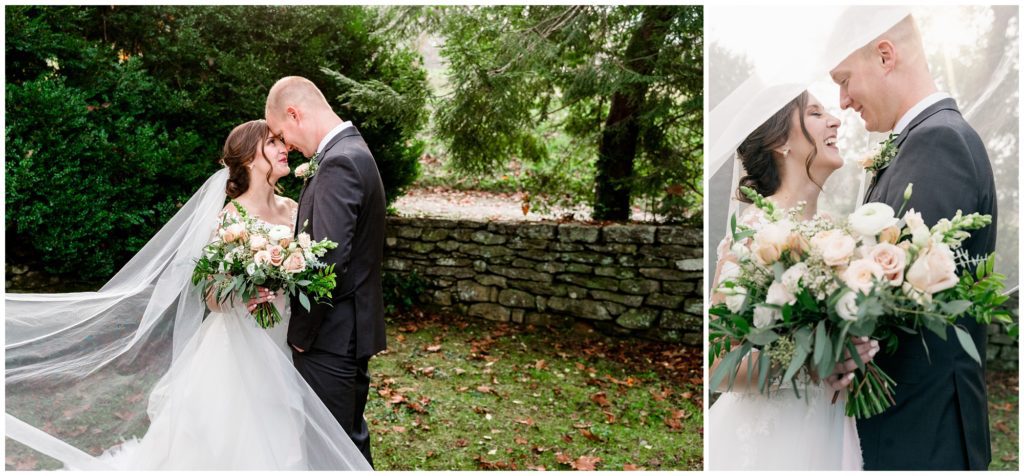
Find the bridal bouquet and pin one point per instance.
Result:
(248, 253)
(800, 289)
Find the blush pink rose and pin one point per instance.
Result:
(934, 270)
(276, 254)
(295, 263)
(892, 259)
(860, 276)
(261, 257)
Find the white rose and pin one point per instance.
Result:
(919, 233)
(836, 247)
(871, 218)
(860, 276)
(734, 298)
(846, 306)
(764, 316)
(779, 295)
(792, 277)
(250, 269)
(892, 259)
(770, 241)
(279, 232)
(729, 272)
(934, 270)
(305, 241)
(258, 242)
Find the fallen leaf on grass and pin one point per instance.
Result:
(631, 467)
(586, 463)
(600, 398)
(433, 348)
(461, 443)
(563, 458)
(527, 421)
(591, 436)
(520, 440)
(1001, 426)
(398, 429)
(540, 365)
(536, 468)
(1008, 458)
(609, 417)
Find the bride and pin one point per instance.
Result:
(786, 159)
(79, 366)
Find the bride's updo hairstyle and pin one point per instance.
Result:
(240, 150)
(757, 154)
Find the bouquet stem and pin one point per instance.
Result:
(870, 392)
(266, 315)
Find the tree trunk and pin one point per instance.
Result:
(621, 130)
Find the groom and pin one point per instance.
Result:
(940, 419)
(342, 200)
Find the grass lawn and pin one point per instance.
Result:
(460, 393)
(1003, 417)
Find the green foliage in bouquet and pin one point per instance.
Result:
(812, 332)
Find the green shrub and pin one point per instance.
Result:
(116, 115)
(402, 291)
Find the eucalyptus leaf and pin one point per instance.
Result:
(967, 343)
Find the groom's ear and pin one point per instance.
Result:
(885, 54)
(293, 113)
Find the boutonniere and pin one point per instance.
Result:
(307, 170)
(881, 159)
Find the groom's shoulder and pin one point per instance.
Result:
(944, 122)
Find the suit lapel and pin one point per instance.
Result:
(307, 184)
(945, 104)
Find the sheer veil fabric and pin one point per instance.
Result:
(759, 58)
(86, 372)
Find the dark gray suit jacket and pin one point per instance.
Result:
(344, 202)
(940, 419)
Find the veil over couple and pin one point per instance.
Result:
(939, 419)
(159, 386)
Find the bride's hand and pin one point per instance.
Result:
(264, 295)
(843, 375)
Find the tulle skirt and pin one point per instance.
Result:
(233, 400)
(750, 431)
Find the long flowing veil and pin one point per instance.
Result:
(759, 58)
(80, 366)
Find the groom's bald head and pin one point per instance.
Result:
(294, 91)
(299, 114)
(886, 77)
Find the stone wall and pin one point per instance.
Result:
(629, 279)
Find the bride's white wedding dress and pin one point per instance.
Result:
(233, 400)
(751, 431)
(132, 377)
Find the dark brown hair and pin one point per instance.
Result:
(240, 150)
(756, 150)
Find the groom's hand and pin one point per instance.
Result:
(297, 349)
(866, 350)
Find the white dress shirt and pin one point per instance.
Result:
(327, 138)
(918, 109)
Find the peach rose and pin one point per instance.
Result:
(302, 170)
(276, 254)
(770, 241)
(934, 270)
(261, 257)
(835, 246)
(892, 259)
(798, 245)
(860, 276)
(295, 263)
(889, 235)
(234, 231)
(779, 295)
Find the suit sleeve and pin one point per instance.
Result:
(338, 200)
(941, 167)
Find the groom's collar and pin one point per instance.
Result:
(929, 110)
(330, 135)
(347, 132)
(917, 109)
